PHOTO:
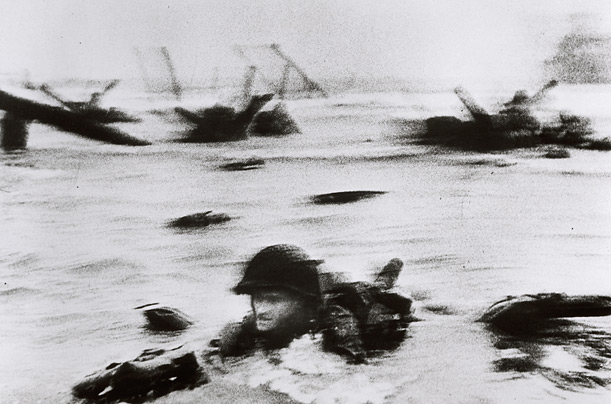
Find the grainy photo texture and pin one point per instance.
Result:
(305, 202)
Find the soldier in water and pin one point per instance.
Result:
(287, 302)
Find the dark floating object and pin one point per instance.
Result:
(528, 329)
(275, 122)
(440, 309)
(387, 277)
(14, 131)
(249, 164)
(557, 154)
(21, 111)
(522, 314)
(145, 305)
(512, 127)
(200, 219)
(221, 123)
(573, 131)
(344, 197)
(110, 115)
(166, 319)
(153, 374)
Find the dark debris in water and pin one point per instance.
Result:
(166, 319)
(153, 374)
(516, 364)
(344, 197)
(197, 220)
(574, 380)
(491, 162)
(530, 314)
(590, 347)
(441, 309)
(249, 164)
(556, 153)
(501, 132)
(530, 327)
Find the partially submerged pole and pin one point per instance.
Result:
(311, 84)
(240, 52)
(480, 115)
(284, 82)
(249, 81)
(14, 132)
(176, 87)
(145, 74)
(469, 102)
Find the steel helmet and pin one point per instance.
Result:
(282, 266)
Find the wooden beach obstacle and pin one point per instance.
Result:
(221, 123)
(276, 121)
(289, 65)
(91, 109)
(19, 112)
(512, 127)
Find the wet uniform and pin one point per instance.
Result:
(356, 319)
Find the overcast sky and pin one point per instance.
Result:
(441, 40)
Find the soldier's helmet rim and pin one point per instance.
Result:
(282, 266)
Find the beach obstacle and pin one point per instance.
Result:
(19, 112)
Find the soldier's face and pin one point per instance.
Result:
(275, 309)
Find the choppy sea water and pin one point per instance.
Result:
(85, 240)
